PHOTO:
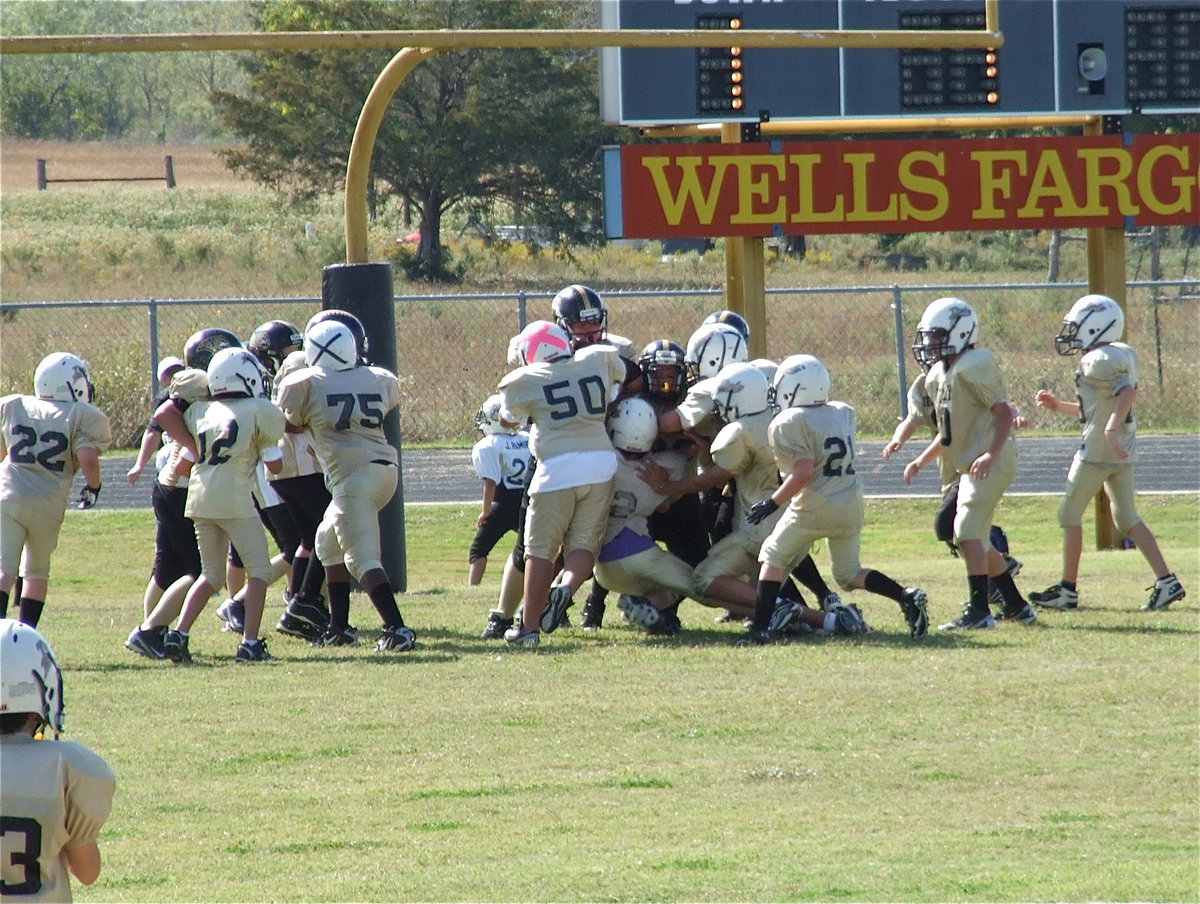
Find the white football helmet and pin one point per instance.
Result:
(331, 345)
(633, 425)
(801, 380)
(948, 327)
(740, 391)
(711, 348)
(542, 341)
(1092, 320)
(487, 418)
(30, 679)
(768, 367)
(235, 371)
(63, 377)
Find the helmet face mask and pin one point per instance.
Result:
(801, 380)
(662, 363)
(487, 418)
(711, 348)
(273, 341)
(580, 311)
(201, 346)
(30, 678)
(63, 377)
(633, 426)
(1092, 320)
(948, 328)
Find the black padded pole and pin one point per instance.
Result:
(366, 291)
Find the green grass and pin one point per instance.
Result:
(1057, 762)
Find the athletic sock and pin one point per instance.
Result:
(764, 603)
(383, 598)
(339, 605)
(977, 584)
(808, 575)
(880, 584)
(31, 611)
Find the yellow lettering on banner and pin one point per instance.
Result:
(691, 190)
(806, 212)
(754, 183)
(1118, 181)
(860, 207)
(1184, 185)
(916, 184)
(995, 180)
(1050, 182)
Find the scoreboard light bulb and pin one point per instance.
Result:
(735, 77)
(991, 71)
(990, 58)
(735, 64)
(735, 91)
(737, 103)
(735, 23)
(735, 51)
(993, 97)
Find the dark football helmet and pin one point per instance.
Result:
(201, 346)
(730, 318)
(581, 305)
(662, 364)
(272, 341)
(350, 321)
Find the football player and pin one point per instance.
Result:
(812, 440)
(227, 436)
(974, 421)
(341, 401)
(55, 795)
(1106, 388)
(44, 439)
(501, 459)
(565, 394)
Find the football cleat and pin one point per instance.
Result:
(915, 613)
(831, 601)
(593, 615)
(1056, 597)
(556, 607)
(175, 646)
(398, 639)
(233, 613)
(497, 624)
(253, 651)
(148, 643)
(516, 636)
(338, 637)
(1165, 591)
(639, 610)
(785, 614)
(1022, 613)
(970, 620)
(849, 620)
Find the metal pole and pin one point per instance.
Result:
(152, 311)
(901, 357)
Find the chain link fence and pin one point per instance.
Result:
(451, 348)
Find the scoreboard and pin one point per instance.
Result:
(1059, 56)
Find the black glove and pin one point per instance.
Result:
(88, 496)
(762, 510)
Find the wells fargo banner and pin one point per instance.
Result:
(814, 187)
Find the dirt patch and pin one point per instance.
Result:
(194, 167)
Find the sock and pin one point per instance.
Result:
(764, 603)
(808, 575)
(339, 605)
(1067, 585)
(597, 595)
(881, 585)
(1008, 589)
(31, 611)
(383, 598)
(789, 591)
(314, 578)
(296, 576)
(977, 584)
(3, 604)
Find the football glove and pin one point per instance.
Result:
(762, 510)
(88, 496)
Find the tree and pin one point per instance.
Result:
(468, 130)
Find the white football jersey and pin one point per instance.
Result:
(1104, 372)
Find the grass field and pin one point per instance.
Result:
(1052, 763)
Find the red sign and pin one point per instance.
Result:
(951, 185)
